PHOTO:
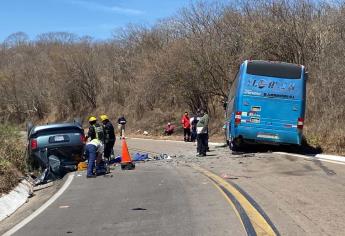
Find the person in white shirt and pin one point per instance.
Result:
(93, 151)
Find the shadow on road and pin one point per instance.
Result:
(305, 149)
(324, 168)
(139, 209)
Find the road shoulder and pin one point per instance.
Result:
(31, 205)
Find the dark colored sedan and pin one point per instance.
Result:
(56, 148)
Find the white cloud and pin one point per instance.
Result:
(99, 7)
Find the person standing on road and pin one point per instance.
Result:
(186, 127)
(109, 136)
(93, 152)
(202, 133)
(121, 126)
(95, 130)
(193, 122)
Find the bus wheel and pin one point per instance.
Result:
(235, 144)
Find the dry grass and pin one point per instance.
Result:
(12, 159)
(331, 140)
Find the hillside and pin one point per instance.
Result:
(153, 74)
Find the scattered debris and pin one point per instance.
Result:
(43, 186)
(226, 176)
(82, 166)
(108, 176)
(249, 155)
(64, 207)
(140, 156)
(163, 156)
(115, 160)
(221, 145)
(53, 168)
(145, 133)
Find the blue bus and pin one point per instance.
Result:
(266, 104)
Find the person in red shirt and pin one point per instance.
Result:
(186, 127)
(169, 129)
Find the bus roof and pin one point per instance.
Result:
(274, 69)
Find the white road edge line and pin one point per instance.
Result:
(318, 157)
(42, 208)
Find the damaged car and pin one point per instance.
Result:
(54, 149)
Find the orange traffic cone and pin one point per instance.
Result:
(126, 160)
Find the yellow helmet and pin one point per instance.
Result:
(104, 117)
(92, 118)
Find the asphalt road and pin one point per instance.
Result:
(154, 199)
(221, 194)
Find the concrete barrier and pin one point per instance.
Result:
(10, 202)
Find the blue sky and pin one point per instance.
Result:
(96, 18)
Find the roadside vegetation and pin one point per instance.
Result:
(153, 74)
(12, 158)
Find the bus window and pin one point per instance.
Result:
(234, 86)
(232, 94)
(274, 69)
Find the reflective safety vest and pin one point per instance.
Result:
(99, 131)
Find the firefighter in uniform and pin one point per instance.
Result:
(95, 130)
(109, 136)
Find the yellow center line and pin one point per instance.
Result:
(230, 202)
(261, 226)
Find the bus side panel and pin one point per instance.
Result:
(233, 106)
